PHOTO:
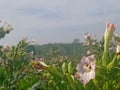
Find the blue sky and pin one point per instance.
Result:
(51, 21)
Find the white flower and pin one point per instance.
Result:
(85, 70)
(118, 49)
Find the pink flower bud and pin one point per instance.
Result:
(110, 28)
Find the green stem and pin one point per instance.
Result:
(106, 47)
(105, 53)
(112, 63)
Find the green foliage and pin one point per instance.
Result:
(14, 61)
(70, 49)
(5, 29)
(19, 69)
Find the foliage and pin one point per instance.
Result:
(5, 29)
(53, 66)
(75, 50)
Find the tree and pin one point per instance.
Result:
(76, 40)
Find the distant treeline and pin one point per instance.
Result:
(62, 49)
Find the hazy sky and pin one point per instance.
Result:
(49, 21)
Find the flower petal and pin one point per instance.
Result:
(86, 77)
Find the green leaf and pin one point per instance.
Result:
(55, 71)
(2, 75)
(3, 88)
(71, 82)
(64, 68)
(105, 86)
(35, 86)
(70, 68)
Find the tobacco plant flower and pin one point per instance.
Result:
(110, 28)
(118, 49)
(89, 39)
(85, 70)
(39, 64)
(117, 42)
